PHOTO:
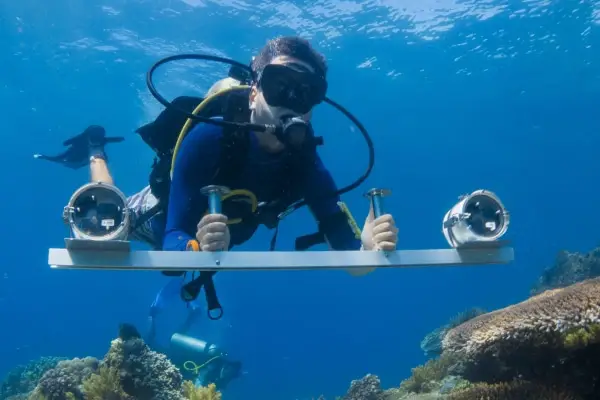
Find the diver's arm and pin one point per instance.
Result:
(195, 165)
(334, 221)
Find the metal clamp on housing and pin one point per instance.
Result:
(479, 217)
(98, 212)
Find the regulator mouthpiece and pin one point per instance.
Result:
(296, 133)
(98, 211)
(477, 217)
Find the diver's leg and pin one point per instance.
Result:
(99, 171)
(164, 297)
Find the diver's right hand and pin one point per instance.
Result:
(213, 233)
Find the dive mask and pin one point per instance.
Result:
(290, 88)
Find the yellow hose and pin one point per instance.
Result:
(197, 110)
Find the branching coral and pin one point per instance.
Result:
(512, 390)
(104, 385)
(428, 377)
(582, 337)
(191, 392)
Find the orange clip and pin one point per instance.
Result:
(192, 245)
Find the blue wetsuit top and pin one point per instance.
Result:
(264, 174)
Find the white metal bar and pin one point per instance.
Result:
(80, 257)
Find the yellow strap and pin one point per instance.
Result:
(351, 220)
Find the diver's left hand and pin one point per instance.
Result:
(379, 233)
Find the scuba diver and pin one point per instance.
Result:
(203, 363)
(270, 172)
(199, 361)
(273, 170)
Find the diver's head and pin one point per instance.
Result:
(290, 82)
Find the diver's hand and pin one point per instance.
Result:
(377, 234)
(380, 233)
(213, 233)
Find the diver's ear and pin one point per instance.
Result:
(252, 97)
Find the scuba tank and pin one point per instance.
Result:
(194, 348)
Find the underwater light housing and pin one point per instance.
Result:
(477, 217)
(98, 212)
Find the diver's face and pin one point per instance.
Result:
(262, 112)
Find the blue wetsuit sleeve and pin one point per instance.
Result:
(339, 234)
(195, 166)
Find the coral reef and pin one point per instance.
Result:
(63, 382)
(192, 392)
(568, 269)
(104, 385)
(144, 374)
(549, 339)
(430, 377)
(129, 371)
(544, 348)
(367, 388)
(432, 342)
(511, 390)
(24, 378)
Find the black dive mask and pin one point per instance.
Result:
(292, 89)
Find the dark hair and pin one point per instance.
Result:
(291, 46)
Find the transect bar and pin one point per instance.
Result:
(85, 256)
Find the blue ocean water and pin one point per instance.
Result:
(458, 95)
